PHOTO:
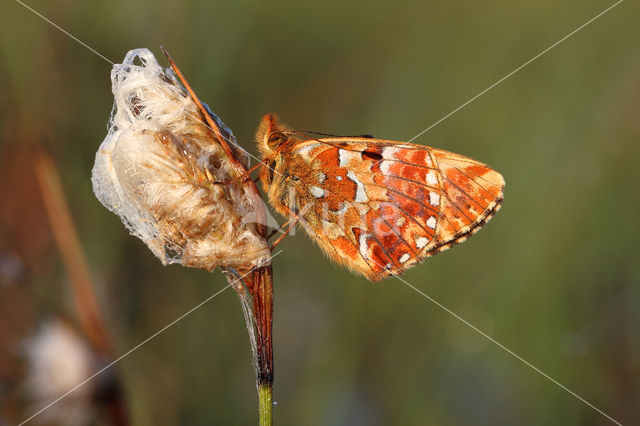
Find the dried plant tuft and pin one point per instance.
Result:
(159, 169)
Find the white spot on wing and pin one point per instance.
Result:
(338, 177)
(346, 156)
(421, 242)
(431, 222)
(316, 191)
(363, 245)
(321, 177)
(404, 258)
(361, 195)
(384, 166)
(389, 152)
(432, 179)
(434, 199)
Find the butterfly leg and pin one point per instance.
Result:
(274, 231)
(243, 176)
(289, 224)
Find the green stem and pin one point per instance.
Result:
(265, 405)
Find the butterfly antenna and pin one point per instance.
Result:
(366, 136)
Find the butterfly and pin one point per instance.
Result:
(376, 206)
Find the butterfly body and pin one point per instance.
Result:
(376, 206)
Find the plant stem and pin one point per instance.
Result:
(265, 404)
(255, 289)
(66, 238)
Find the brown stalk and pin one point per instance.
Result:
(66, 239)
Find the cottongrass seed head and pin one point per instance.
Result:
(159, 169)
(58, 359)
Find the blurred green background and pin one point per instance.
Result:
(554, 277)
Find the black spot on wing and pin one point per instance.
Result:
(372, 155)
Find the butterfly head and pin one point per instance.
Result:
(271, 137)
(271, 134)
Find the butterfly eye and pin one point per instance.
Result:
(275, 139)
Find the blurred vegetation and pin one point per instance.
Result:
(554, 277)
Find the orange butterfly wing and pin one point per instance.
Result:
(380, 207)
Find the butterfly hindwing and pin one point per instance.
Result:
(380, 207)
